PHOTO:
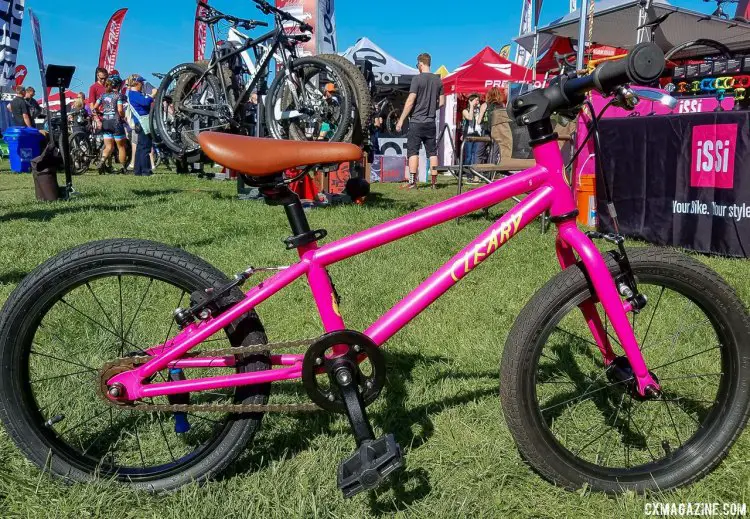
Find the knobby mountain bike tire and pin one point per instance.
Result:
(580, 425)
(181, 134)
(313, 74)
(363, 106)
(95, 303)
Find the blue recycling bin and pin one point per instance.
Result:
(24, 144)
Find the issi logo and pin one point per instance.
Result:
(713, 154)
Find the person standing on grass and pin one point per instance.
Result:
(113, 126)
(140, 107)
(20, 109)
(472, 127)
(425, 99)
(96, 91)
(34, 108)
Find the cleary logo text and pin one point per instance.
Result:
(713, 154)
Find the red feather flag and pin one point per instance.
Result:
(111, 40)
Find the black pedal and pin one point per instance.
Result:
(370, 464)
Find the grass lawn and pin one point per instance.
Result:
(443, 400)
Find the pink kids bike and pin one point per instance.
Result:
(628, 370)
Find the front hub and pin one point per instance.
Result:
(620, 372)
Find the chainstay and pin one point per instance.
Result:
(131, 362)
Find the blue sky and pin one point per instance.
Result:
(158, 34)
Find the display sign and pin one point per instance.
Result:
(705, 69)
(720, 67)
(734, 66)
(11, 18)
(691, 71)
(679, 73)
(690, 190)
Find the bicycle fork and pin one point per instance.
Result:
(572, 240)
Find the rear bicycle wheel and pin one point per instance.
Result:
(86, 307)
(296, 108)
(579, 424)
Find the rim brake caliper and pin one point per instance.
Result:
(625, 281)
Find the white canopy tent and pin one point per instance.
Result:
(616, 23)
(389, 72)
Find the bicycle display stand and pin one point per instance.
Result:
(242, 190)
(60, 76)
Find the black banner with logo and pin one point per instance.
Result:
(679, 180)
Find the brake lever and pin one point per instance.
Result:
(625, 98)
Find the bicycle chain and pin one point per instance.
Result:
(131, 362)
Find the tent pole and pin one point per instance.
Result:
(582, 34)
(536, 51)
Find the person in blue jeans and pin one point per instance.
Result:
(471, 128)
(141, 105)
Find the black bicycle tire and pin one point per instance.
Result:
(550, 460)
(18, 418)
(362, 95)
(71, 141)
(341, 131)
(160, 124)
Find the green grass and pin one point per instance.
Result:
(442, 400)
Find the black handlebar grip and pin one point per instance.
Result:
(261, 24)
(644, 65)
(306, 27)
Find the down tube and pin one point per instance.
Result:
(460, 265)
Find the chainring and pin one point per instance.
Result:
(316, 362)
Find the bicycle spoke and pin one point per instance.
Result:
(606, 427)
(34, 352)
(164, 435)
(138, 441)
(671, 418)
(101, 307)
(648, 327)
(140, 305)
(122, 337)
(685, 358)
(697, 375)
(587, 341)
(58, 377)
(586, 394)
(83, 422)
(100, 325)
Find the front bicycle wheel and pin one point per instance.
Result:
(104, 301)
(580, 422)
(181, 92)
(298, 109)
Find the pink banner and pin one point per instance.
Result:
(200, 34)
(111, 40)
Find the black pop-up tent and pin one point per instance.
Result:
(390, 73)
(616, 23)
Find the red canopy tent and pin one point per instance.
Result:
(486, 70)
(54, 100)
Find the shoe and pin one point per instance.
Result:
(413, 186)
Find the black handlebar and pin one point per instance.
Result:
(216, 15)
(643, 65)
(267, 8)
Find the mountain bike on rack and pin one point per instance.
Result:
(629, 370)
(216, 96)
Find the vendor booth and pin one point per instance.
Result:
(686, 184)
(485, 70)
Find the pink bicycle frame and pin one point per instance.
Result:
(548, 191)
